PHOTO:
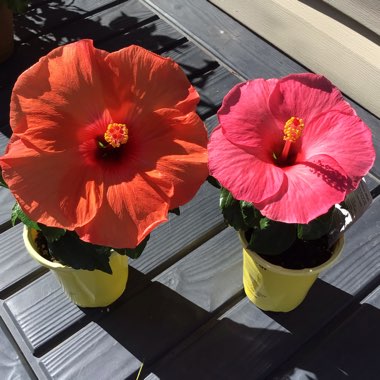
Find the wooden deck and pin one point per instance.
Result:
(184, 314)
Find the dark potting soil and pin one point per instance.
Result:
(302, 254)
(42, 247)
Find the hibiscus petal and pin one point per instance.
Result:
(60, 95)
(150, 81)
(67, 200)
(174, 145)
(345, 137)
(318, 175)
(305, 96)
(242, 173)
(138, 205)
(246, 118)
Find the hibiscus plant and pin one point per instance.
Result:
(104, 145)
(285, 153)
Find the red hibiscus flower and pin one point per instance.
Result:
(104, 143)
(292, 146)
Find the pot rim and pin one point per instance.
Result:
(338, 248)
(29, 235)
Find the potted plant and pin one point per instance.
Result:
(287, 154)
(104, 145)
(7, 8)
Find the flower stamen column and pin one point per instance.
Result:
(292, 132)
(116, 134)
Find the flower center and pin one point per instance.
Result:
(292, 132)
(116, 134)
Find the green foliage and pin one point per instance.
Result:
(231, 210)
(19, 215)
(317, 227)
(134, 253)
(78, 254)
(251, 216)
(272, 238)
(51, 233)
(2, 182)
(17, 6)
(269, 237)
(67, 248)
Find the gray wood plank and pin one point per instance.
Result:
(7, 201)
(15, 262)
(230, 349)
(361, 254)
(91, 353)
(209, 275)
(44, 300)
(41, 310)
(139, 330)
(349, 351)
(157, 36)
(3, 142)
(372, 181)
(212, 88)
(192, 59)
(45, 16)
(152, 323)
(12, 366)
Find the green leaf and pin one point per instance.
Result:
(133, 253)
(2, 182)
(18, 214)
(251, 216)
(176, 211)
(231, 210)
(78, 254)
(272, 238)
(316, 228)
(51, 233)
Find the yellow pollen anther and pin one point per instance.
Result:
(116, 134)
(293, 129)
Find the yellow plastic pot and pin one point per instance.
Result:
(274, 288)
(6, 32)
(84, 287)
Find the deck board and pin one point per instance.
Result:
(49, 15)
(209, 276)
(90, 354)
(360, 333)
(14, 260)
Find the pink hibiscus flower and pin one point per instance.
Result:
(293, 147)
(104, 143)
